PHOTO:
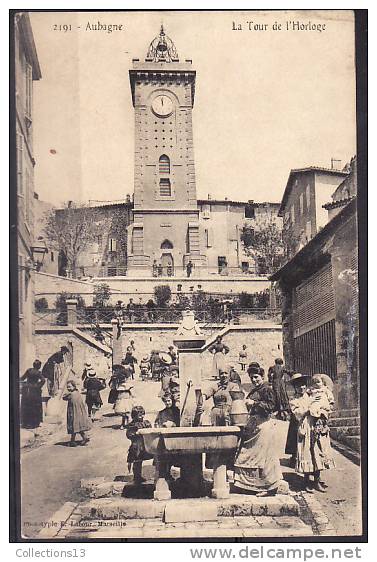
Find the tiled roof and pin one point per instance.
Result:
(339, 203)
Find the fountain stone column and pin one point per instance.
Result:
(189, 342)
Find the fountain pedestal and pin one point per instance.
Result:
(186, 444)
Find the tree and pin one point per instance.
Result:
(41, 304)
(102, 294)
(162, 295)
(71, 229)
(267, 243)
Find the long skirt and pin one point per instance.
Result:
(257, 465)
(291, 444)
(31, 409)
(219, 363)
(313, 450)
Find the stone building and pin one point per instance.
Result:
(319, 288)
(307, 190)
(164, 225)
(27, 70)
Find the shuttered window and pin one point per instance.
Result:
(137, 241)
(164, 164)
(165, 187)
(314, 301)
(315, 351)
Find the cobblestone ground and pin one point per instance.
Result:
(51, 473)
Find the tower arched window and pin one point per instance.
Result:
(164, 165)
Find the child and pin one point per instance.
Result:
(93, 386)
(125, 399)
(145, 368)
(242, 356)
(77, 418)
(137, 453)
(130, 361)
(169, 416)
(322, 398)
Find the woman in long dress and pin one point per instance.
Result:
(276, 379)
(314, 452)
(31, 397)
(257, 465)
(219, 351)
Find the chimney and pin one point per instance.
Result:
(209, 196)
(336, 164)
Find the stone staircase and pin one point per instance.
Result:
(345, 428)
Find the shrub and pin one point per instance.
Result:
(41, 305)
(102, 294)
(162, 295)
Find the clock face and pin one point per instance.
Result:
(162, 106)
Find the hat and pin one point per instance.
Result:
(91, 373)
(88, 364)
(254, 369)
(224, 371)
(297, 378)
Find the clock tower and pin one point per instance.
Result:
(165, 231)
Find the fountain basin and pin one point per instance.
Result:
(189, 440)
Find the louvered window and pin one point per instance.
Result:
(314, 301)
(165, 187)
(164, 164)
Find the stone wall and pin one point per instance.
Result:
(49, 286)
(263, 345)
(123, 288)
(48, 341)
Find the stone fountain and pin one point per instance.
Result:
(184, 445)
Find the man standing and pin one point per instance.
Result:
(189, 267)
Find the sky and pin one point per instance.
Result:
(266, 100)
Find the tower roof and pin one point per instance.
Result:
(162, 49)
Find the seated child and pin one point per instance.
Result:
(137, 453)
(125, 399)
(322, 399)
(169, 416)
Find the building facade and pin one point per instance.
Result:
(301, 209)
(166, 220)
(319, 287)
(164, 226)
(27, 70)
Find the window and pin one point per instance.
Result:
(20, 285)
(308, 197)
(209, 237)
(249, 212)
(293, 214)
(28, 192)
(52, 256)
(164, 164)
(166, 245)
(28, 91)
(308, 231)
(179, 288)
(112, 245)
(99, 240)
(302, 203)
(165, 187)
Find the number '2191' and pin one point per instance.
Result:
(62, 27)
